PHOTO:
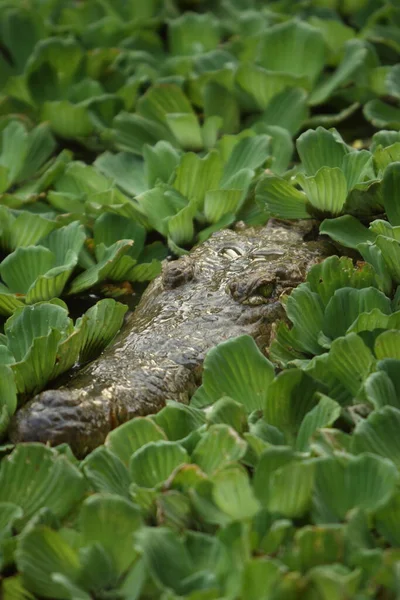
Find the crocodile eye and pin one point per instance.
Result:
(232, 252)
(266, 290)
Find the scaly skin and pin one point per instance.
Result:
(228, 286)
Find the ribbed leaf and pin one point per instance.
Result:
(327, 190)
(125, 169)
(221, 202)
(233, 494)
(102, 269)
(350, 361)
(32, 322)
(236, 368)
(41, 553)
(263, 85)
(387, 345)
(131, 436)
(186, 130)
(66, 239)
(347, 304)
(99, 325)
(390, 249)
(249, 153)
(281, 199)
(365, 481)
(380, 391)
(324, 414)
(32, 475)
(161, 100)
(320, 148)
(217, 447)
(334, 273)
(290, 489)
(160, 162)
(181, 227)
(357, 167)
(20, 269)
(382, 115)
(305, 310)
(67, 120)
(152, 464)
(103, 519)
(293, 47)
(355, 53)
(106, 472)
(28, 229)
(52, 283)
(196, 176)
(290, 397)
(193, 33)
(347, 230)
(378, 434)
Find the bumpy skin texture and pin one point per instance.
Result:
(228, 286)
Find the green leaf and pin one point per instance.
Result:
(196, 176)
(288, 110)
(289, 398)
(219, 446)
(193, 33)
(348, 231)
(249, 153)
(160, 162)
(102, 269)
(387, 344)
(20, 269)
(178, 421)
(305, 310)
(218, 203)
(347, 304)
(236, 368)
(350, 361)
(103, 519)
(327, 190)
(186, 130)
(290, 489)
(391, 192)
(67, 120)
(99, 325)
(165, 556)
(106, 472)
(42, 552)
(355, 53)
(162, 100)
(129, 437)
(31, 477)
(126, 170)
(366, 482)
(262, 85)
(281, 199)
(335, 273)
(324, 414)
(382, 115)
(153, 463)
(293, 47)
(233, 494)
(378, 434)
(320, 148)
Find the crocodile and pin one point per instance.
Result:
(229, 285)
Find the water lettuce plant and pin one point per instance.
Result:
(130, 131)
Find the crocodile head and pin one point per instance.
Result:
(253, 266)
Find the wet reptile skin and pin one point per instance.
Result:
(228, 286)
